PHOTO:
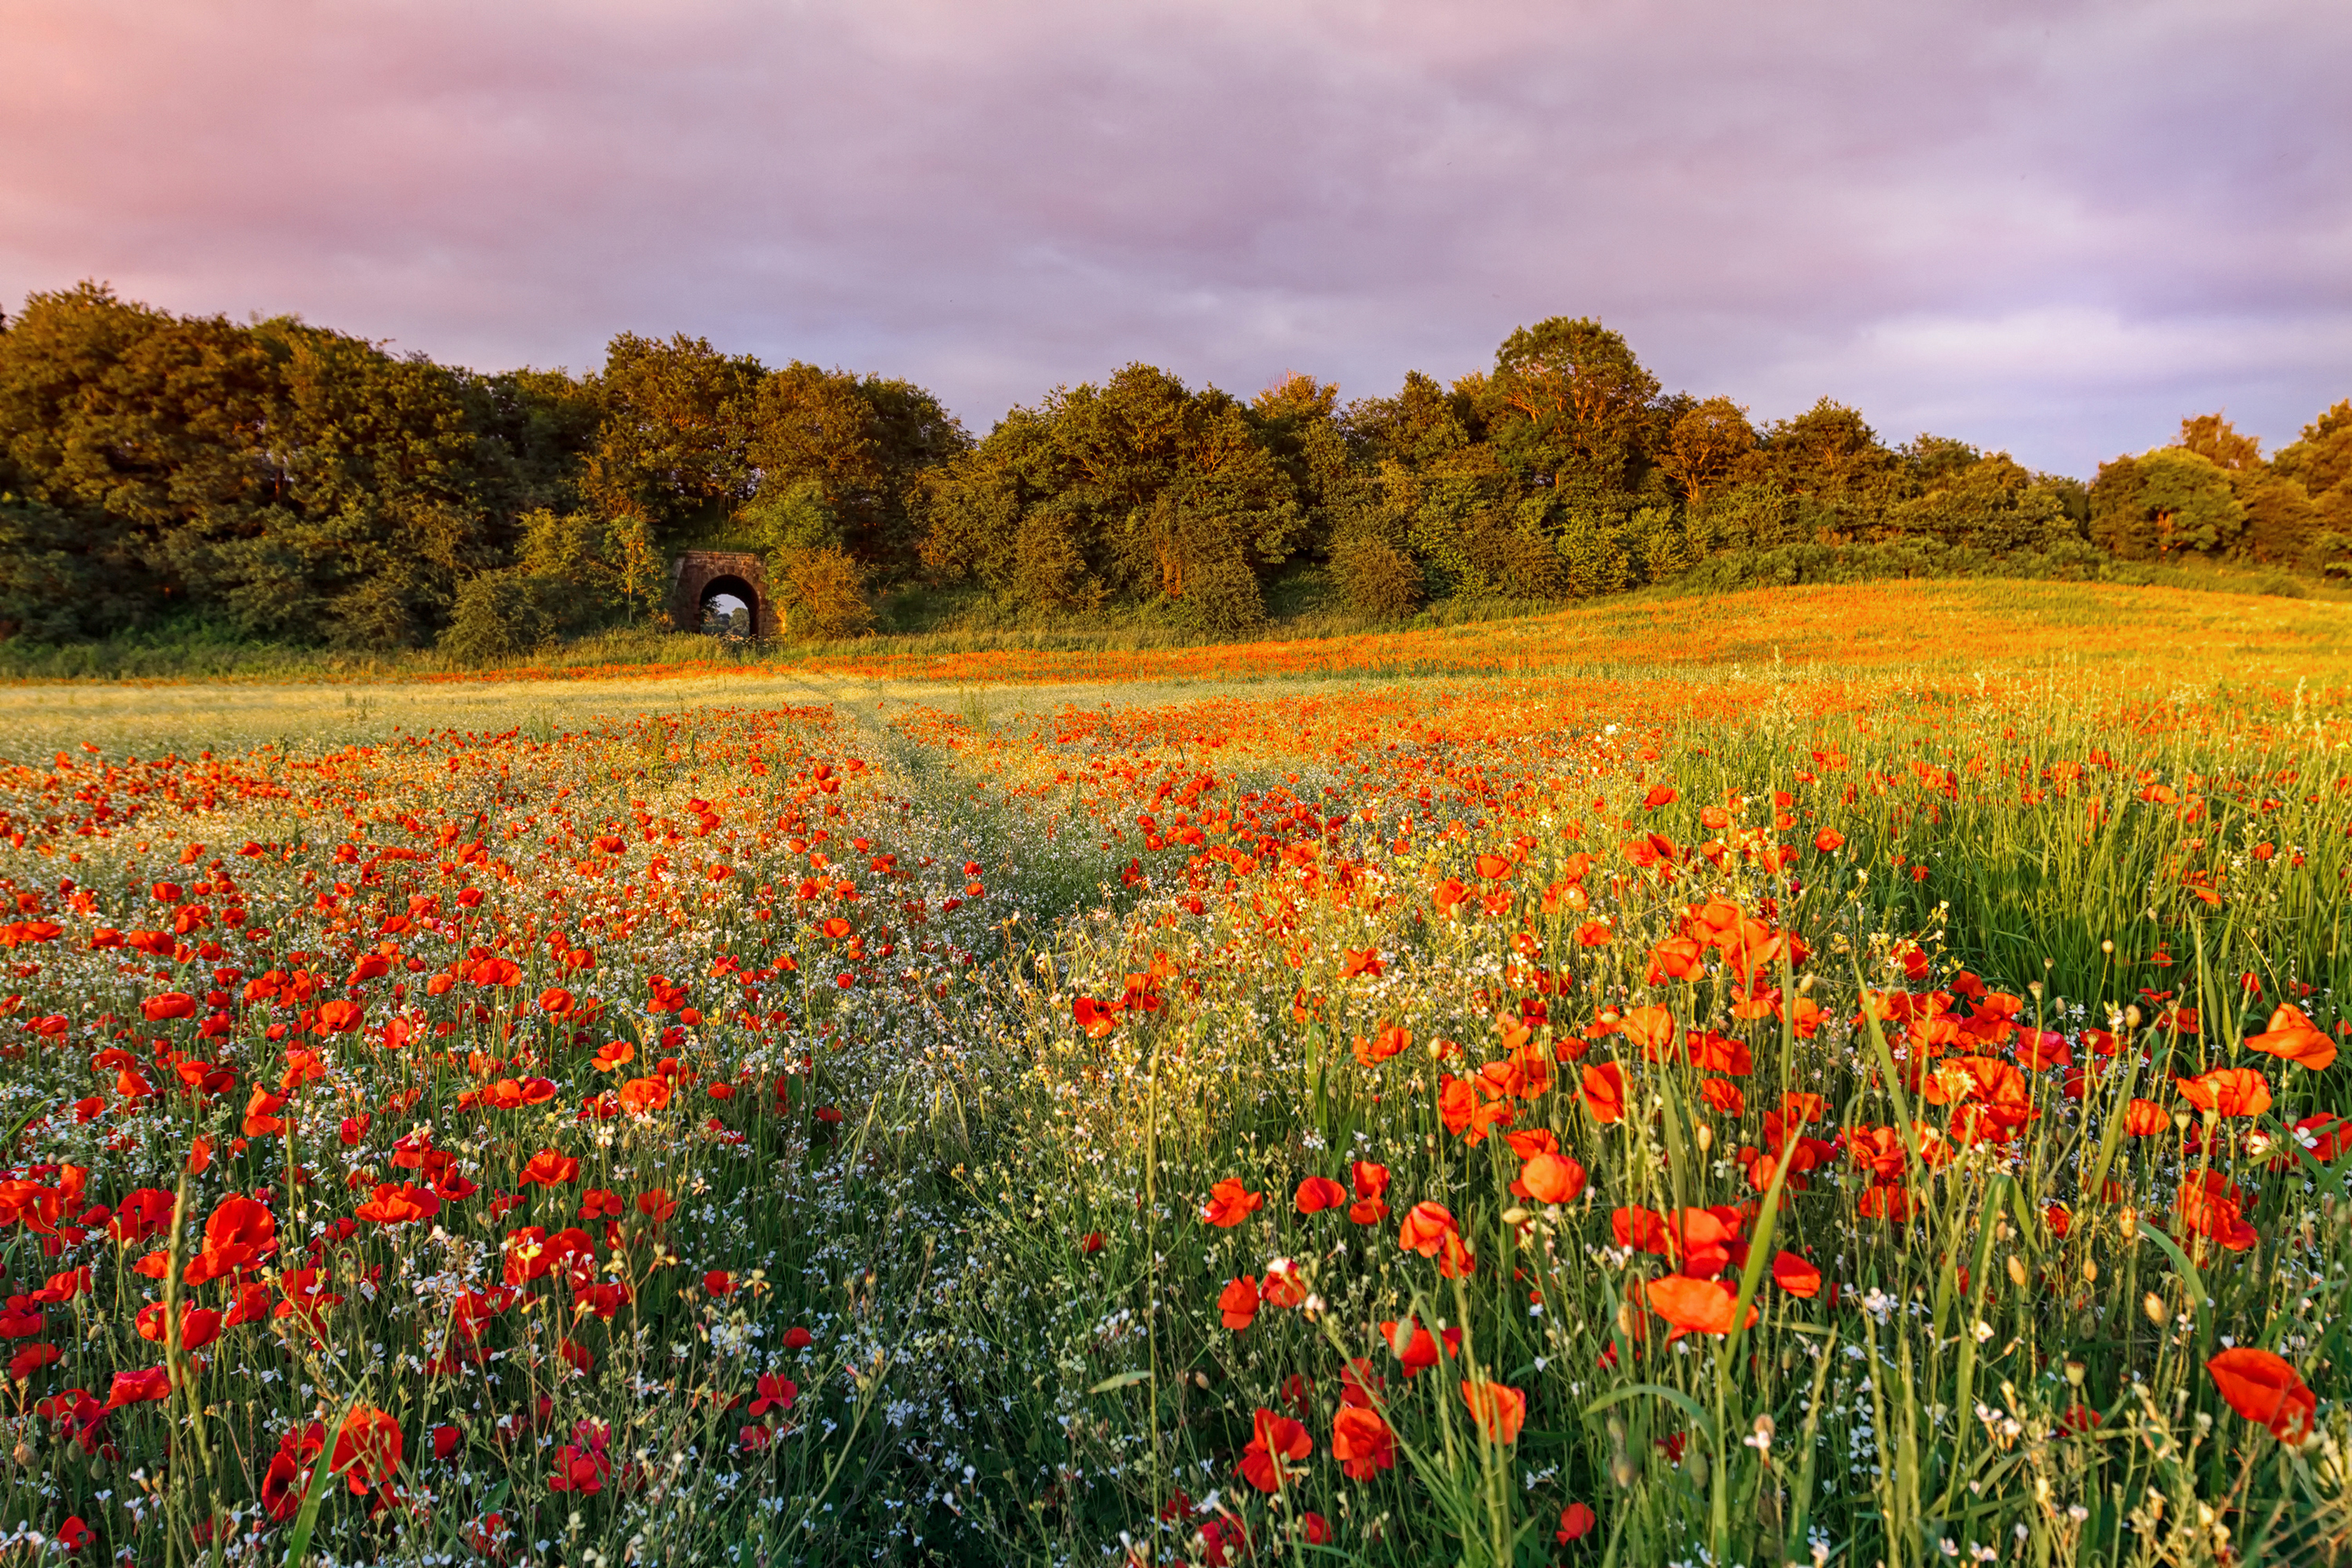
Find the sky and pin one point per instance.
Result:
(2051, 228)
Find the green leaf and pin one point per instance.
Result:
(1123, 1380)
(2197, 1294)
(1675, 1396)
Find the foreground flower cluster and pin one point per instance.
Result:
(1380, 1121)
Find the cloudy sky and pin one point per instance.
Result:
(2051, 227)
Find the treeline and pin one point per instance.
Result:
(284, 481)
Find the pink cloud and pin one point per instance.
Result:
(2050, 227)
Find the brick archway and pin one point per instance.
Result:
(699, 575)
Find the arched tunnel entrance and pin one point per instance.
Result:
(733, 583)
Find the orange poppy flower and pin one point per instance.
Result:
(1549, 1179)
(1426, 1227)
(2144, 1119)
(2293, 1038)
(1695, 1306)
(261, 1117)
(1499, 1409)
(1386, 1041)
(2228, 1091)
(1604, 1091)
(1283, 1286)
(2211, 1206)
(1371, 1185)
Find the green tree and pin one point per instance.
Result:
(1707, 447)
(1830, 457)
(675, 443)
(2212, 438)
(860, 446)
(1570, 398)
(1140, 490)
(2165, 502)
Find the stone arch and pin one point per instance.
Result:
(700, 574)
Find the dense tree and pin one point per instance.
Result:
(2167, 502)
(856, 447)
(1708, 446)
(674, 446)
(276, 478)
(1140, 490)
(1573, 400)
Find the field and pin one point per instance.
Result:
(1827, 1076)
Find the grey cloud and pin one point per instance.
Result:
(2051, 227)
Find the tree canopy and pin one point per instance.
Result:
(278, 479)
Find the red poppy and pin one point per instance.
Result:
(1362, 1443)
(1604, 1091)
(1230, 1202)
(238, 1234)
(1415, 1347)
(1796, 1276)
(199, 1326)
(1371, 1185)
(367, 1448)
(1550, 1179)
(1500, 1410)
(399, 1205)
(2293, 1037)
(139, 1388)
(1237, 1304)
(1277, 1440)
(2262, 1387)
(548, 1169)
(1695, 1306)
(774, 1392)
(1576, 1522)
(2144, 1119)
(1318, 1193)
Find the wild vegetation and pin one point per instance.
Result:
(185, 482)
(1872, 1104)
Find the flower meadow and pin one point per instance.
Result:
(1877, 1119)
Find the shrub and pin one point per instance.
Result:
(1376, 578)
(499, 616)
(824, 593)
(1221, 594)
